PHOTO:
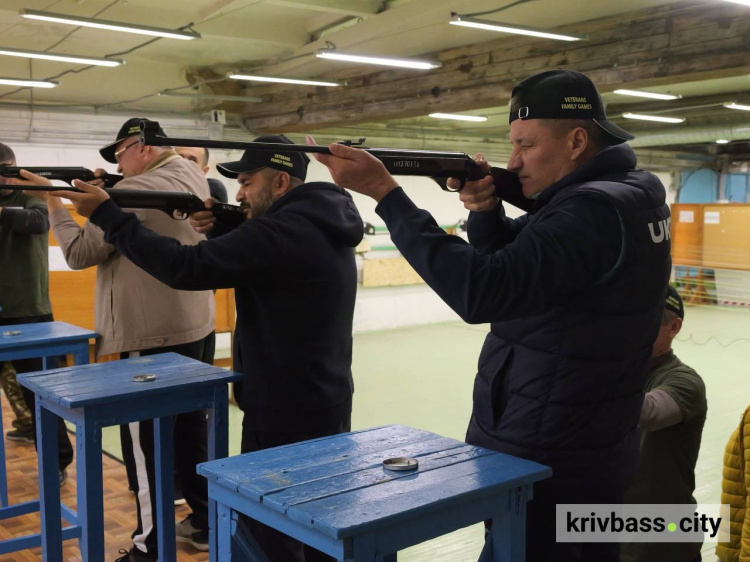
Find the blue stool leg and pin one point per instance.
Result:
(89, 485)
(49, 487)
(48, 363)
(223, 534)
(3, 475)
(81, 354)
(507, 540)
(218, 448)
(163, 467)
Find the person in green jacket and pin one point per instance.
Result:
(24, 287)
(671, 425)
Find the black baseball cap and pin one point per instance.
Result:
(131, 127)
(674, 302)
(562, 94)
(294, 163)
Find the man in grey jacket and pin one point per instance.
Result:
(138, 315)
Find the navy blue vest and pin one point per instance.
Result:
(565, 387)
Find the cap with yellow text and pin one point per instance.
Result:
(562, 94)
(294, 163)
(674, 302)
(130, 128)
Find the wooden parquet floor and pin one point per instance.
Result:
(119, 504)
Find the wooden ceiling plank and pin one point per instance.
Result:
(644, 49)
(461, 72)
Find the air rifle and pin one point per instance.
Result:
(434, 164)
(66, 174)
(177, 204)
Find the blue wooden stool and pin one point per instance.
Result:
(27, 341)
(121, 392)
(335, 495)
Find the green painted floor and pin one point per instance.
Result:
(422, 377)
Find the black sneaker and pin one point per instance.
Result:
(185, 532)
(20, 436)
(133, 555)
(126, 558)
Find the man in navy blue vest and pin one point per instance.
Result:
(574, 291)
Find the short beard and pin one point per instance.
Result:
(260, 207)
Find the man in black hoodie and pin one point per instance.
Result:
(574, 292)
(293, 270)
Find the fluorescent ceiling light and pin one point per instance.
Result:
(464, 21)
(743, 2)
(650, 95)
(60, 57)
(110, 25)
(653, 118)
(401, 63)
(457, 117)
(283, 80)
(215, 97)
(28, 83)
(722, 141)
(737, 106)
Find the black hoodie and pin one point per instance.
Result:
(295, 284)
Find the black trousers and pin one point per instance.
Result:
(541, 545)
(190, 448)
(65, 448)
(277, 546)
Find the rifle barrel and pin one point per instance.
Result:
(158, 140)
(148, 137)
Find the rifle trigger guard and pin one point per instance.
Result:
(459, 188)
(179, 215)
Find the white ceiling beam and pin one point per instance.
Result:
(359, 8)
(272, 34)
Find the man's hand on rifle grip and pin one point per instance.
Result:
(99, 181)
(478, 195)
(203, 221)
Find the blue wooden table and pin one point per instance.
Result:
(47, 340)
(334, 494)
(104, 394)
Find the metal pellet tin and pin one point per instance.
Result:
(401, 463)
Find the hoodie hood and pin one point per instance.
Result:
(330, 207)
